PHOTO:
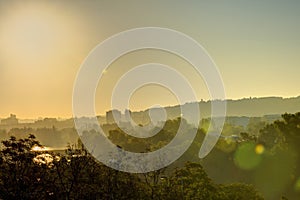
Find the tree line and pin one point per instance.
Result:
(28, 174)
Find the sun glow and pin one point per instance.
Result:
(34, 33)
(41, 45)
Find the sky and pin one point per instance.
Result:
(255, 45)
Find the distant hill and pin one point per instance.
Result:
(239, 113)
(256, 107)
(250, 107)
(270, 108)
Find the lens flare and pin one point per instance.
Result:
(246, 156)
(297, 185)
(259, 149)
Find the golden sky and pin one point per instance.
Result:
(255, 44)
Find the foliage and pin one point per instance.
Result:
(20, 177)
(27, 174)
(76, 175)
(240, 191)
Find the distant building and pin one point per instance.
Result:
(127, 115)
(12, 120)
(113, 116)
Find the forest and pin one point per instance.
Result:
(263, 162)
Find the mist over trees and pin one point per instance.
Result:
(262, 162)
(76, 175)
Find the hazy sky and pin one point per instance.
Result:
(256, 45)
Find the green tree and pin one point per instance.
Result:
(192, 182)
(240, 191)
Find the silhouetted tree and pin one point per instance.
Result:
(20, 176)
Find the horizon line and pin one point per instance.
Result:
(143, 110)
